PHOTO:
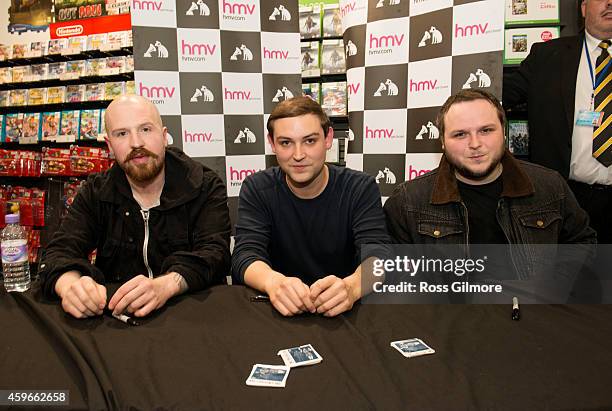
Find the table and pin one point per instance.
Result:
(197, 352)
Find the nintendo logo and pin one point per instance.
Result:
(69, 31)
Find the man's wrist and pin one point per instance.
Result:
(353, 283)
(273, 278)
(64, 281)
(173, 284)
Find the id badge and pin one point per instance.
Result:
(589, 118)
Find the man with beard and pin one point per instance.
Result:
(480, 194)
(158, 221)
(301, 225)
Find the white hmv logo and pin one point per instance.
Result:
(161, 50)
(283, 93)
(203, 92)
(483, 79)
(282, 12)
(351, 49)
(387, 175)
(388, 86)
(350, 135)
(433, 35)
(243, 51)
(430, 130)
(246, 135)
(199, 5)
(381, 3)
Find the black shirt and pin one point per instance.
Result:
(481, 202)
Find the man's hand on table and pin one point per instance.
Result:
(81, 295)
(289, 295)
(141, 294)
(332, 295)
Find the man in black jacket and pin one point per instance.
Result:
(557, 81)
(158, 220)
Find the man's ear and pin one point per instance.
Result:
(271, 142)
(165, 134)
(329, 138)
(108, 144)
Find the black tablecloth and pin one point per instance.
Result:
(197, 352)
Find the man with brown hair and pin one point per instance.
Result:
(301, 225)
(480, 194)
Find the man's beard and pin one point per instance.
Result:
(142, 173)
(472, 175)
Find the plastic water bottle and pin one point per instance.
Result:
(15, 266)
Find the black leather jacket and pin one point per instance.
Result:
(187, 233)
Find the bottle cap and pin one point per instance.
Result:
(11, 219)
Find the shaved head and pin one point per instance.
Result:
(126, 102)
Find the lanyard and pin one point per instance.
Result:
(594, 80)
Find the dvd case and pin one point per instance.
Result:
(75, 93)
(18, 97)
(310, 21)
(96, 41)
(94, 92)
(75, 69)
(13, 127)
(332, 57)
(56, 46)
(93, 67)
(115, 65)
(56, 70)
(116, 40)
(50, 125)
(90, 123)
(113, 89)
(130, 87)
(38, 72)
(37, 49)
(37, 96)
(31, 128)
(102, 128)
(19, 50)
(5, 52)
(56, 95)
(332, 22)
(6, 75)
(69, 126)
(20, 73)
(4, 98)
(333, 98)
(310, 59)
(312, 90)
(76, 45)
(518, 137)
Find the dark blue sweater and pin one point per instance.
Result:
(313, 238)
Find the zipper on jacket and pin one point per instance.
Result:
(499, 204)
(464, 211)
(145, 244)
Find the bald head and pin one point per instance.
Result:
(129, 103)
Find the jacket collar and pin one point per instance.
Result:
(516, 182)
(183, 181)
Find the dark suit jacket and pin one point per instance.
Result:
(546, 80)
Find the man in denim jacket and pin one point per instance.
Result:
(481, 194)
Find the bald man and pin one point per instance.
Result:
(158, 220)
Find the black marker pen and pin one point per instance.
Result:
(259, 298)
(516, 313)
(121, 317)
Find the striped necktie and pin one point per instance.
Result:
(602, 135)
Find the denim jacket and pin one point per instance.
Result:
(536, 207)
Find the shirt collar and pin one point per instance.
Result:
(592, 45)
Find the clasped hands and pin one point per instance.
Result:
(83, 297)
(328, 296)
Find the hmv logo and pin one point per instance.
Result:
(197, 49)
(470, 30)
(197, 137)
(413, 173)
(385, 41)
(238, 8)
(378, 132)
(155, 92)
(344, 10)
(146, 5)
(426, 85)
(353, 88)
(275, 54)
(240, 174)
(236, 95)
